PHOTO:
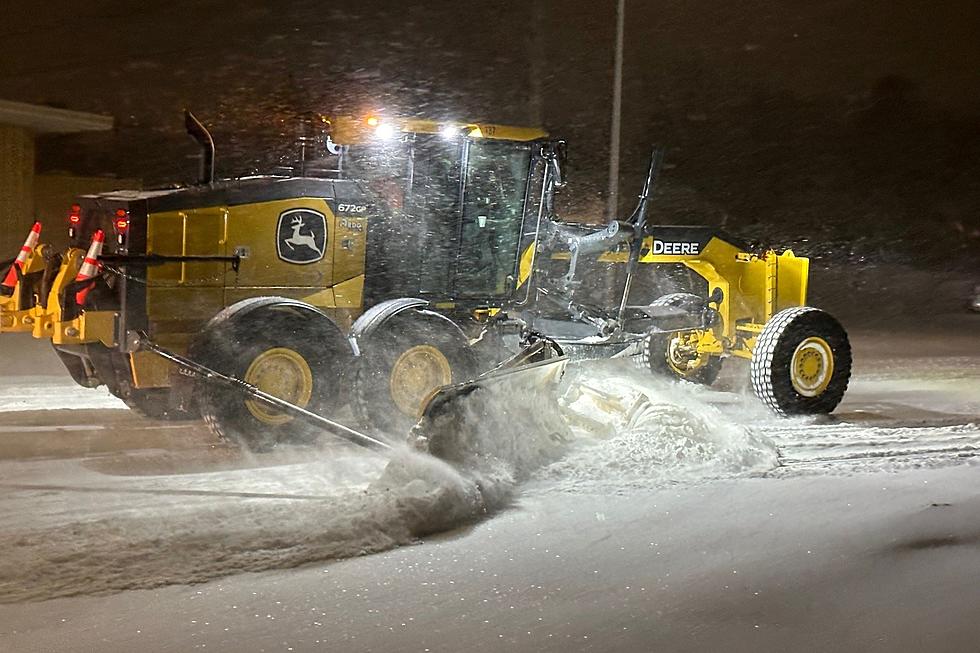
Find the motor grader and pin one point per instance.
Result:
(407, 256)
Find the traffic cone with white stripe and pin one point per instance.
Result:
(10, 281)
(90, 266)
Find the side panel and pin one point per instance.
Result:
(181, 295)
(286, 248)
(792, 280)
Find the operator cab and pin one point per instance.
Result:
(459, 209)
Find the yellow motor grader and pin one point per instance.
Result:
(406, 257)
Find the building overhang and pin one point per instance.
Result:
(48, 120)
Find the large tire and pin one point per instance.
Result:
(154, 403)
(401, 362)
(661, 353)
(801, 363)
(113, 369)
(293, 354)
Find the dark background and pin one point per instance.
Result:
(848, 129)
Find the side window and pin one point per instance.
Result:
(433, 207)
(492, 217)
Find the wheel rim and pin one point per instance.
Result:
(679, 356)
(283, 373)
(416, 373)
(812, 367)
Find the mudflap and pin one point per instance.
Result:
(509, 416)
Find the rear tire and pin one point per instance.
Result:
(663, 353)
(154, 403)
(402, 362)
(801, 363)
(291, 354)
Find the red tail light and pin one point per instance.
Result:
(121, 222)
(74, 219)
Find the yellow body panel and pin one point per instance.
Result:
(149, 370)
(193, 292)
(254, 226)
(348, 130)
(753, 288)
(15, 318)
(348, 244)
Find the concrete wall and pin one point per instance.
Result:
(16, 188)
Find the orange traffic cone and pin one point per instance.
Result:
(11, 279)
(90, 266)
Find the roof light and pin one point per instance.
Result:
(373, 121)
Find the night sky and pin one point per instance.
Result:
(854, 124)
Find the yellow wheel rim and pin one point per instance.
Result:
(416, 373)
(282, 373)
(812, 367)
(682, 354)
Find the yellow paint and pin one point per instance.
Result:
(482, 314)
(149, 370)
(348, 130)
(280, 372)
(416, 373)
(526, 265)
(178, 295)
(15, 318)
(812, 367)
(90, 326)
(754, 288)
(350, 293)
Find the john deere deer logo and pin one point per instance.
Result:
(301, 236)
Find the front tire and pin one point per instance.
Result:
(670, 354)
(675, 354)
(801, 363)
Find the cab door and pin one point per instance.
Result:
(492, 217)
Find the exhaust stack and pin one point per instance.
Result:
(200, 133)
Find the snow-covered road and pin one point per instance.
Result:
(679, 520)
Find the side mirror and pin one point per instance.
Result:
(557, 155)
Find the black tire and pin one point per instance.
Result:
(275, 337)
(113, 369)
(154, 403)
(426, 336)
(801, 363)
(658, 351)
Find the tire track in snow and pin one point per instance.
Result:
(857, 448)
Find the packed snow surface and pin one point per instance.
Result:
(94, 526)
(46, 392)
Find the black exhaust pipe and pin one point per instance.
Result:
(200, 133)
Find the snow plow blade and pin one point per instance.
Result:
(475, 421)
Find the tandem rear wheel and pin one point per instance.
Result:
(402, 362)
(284, 348)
